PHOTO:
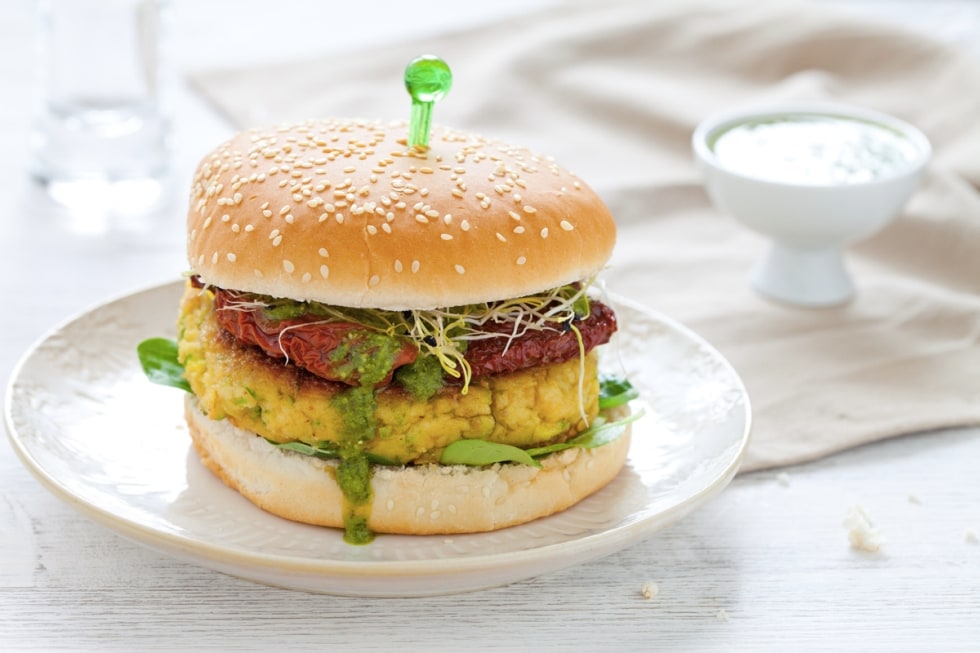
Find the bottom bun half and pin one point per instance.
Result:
(414, 500)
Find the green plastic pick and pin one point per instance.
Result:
(428, 80)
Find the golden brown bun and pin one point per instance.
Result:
(422, 500)
(344, 213)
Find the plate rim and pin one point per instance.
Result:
(189, 548)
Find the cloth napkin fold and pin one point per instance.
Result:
(613, 90)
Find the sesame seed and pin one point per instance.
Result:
(306, 277)
(207, 223)
(289, 218)
(284, 210)
(273, 234)
(544, 232)
(457, 193)
(416, 266)
(515, 215)
(398, 265)
(349, 169)
(339, 218)
(421, 218)
(518, 229)
(323, 252)
(385, 227)
(276, 241)
(459, 269)
(236, 228)
(501, 237)
(257, 273)
(464, 225)
(214, 258)
(432, 213)
(323, 216)
(288, 266)
(374, 280)
(521, 260)
(446, 236)
(371, 229)
(566, 225)
(267, 213)
(324, 271)
(530, 209)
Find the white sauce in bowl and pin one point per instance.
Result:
(814, 149)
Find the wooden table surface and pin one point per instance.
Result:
(764, 566)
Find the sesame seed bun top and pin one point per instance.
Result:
(344, 212)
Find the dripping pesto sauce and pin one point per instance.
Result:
(363, 357)
(368, 357)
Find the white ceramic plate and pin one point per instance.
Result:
(86, 422)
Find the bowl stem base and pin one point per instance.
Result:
(804, 277)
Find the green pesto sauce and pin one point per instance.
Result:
(357, 405)
(354, 476)
(367, 358)
(423, 378)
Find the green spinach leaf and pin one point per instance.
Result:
(158, 357)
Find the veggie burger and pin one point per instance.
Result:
(396, 339)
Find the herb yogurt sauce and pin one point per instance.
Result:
(817, 149)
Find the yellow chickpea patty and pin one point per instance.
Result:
(284, 403)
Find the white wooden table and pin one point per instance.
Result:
(765, 566)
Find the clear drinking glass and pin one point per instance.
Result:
(101, 137)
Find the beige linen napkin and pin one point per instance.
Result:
(613, 90)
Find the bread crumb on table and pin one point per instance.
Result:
(913, 498)
(649, 590)
(861, 533)
(783, 479)
(721, 615)
(970, 536)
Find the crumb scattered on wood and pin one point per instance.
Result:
(649, 590)
(861, 533)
